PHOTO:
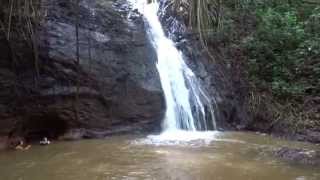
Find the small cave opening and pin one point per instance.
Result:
(50, 125)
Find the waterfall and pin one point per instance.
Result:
(188, 106)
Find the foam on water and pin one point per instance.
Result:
(186, 138)
(179, 137)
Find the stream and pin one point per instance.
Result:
(214, 156)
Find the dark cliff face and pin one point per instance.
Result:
(119, 87)
(217, 79)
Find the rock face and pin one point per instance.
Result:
(114, 89)
(222, 85)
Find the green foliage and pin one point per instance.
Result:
(276, 46)
(284, 50)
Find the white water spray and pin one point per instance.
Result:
(188, 106)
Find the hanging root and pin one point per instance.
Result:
(19, 21)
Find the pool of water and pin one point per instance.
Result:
(215, 156)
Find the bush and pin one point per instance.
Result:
(284, 50)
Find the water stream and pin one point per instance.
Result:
(188, 106)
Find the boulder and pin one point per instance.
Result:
(299, 156)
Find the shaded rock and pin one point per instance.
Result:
(309, 135)
(115, 88)
(3, 143)
(72, 134)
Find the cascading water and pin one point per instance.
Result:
(188, 106)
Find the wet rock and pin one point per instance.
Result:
(299, 156)
(309, 135)
(115, 86)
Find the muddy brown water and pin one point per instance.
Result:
(229, 156)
